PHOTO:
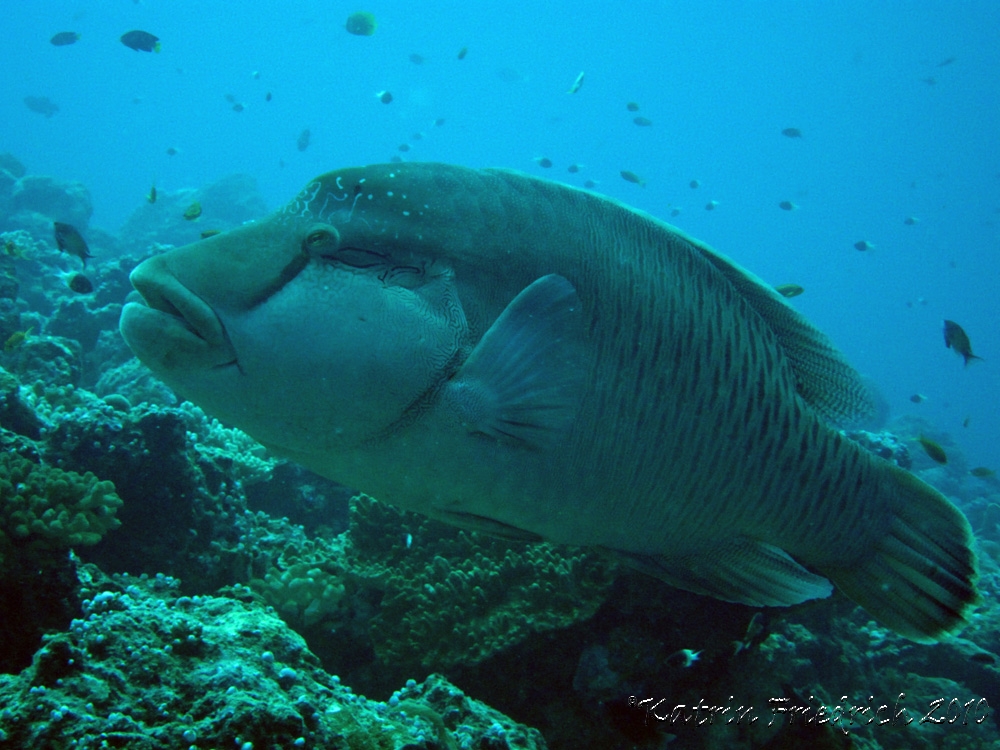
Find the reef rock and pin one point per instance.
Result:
(59, 200)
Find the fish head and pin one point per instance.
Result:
(312, 330)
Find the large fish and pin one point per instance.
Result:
(524, 358)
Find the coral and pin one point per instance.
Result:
(143, 667)
(46, 506)
(883, 444)
(47, 359)
(12, 164)
(454, 597)
(227, 203)
(308, 591)
(55, 199)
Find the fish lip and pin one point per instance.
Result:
(183, 314)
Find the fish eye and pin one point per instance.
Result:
(321, 240)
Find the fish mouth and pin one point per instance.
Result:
(169, 326)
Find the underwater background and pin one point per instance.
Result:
(219, 597)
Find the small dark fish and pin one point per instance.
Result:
(64, 38)
(956, 338)
(576, 84)
(416, 136)
(590, 184)
(302, 143)
(933, 450)
(238, 107)
(918, 398)
(173, 151)
(632, 106)
(152, 194)
(193, 211)
(79, 283)
(543, 161)
(462, 53)
(863, 245)
(632, 177)
(141, 41)
(789, 290)
(642, 122)
(982, 472)
(792, 132)
(404, 147)
(41, 104)
(267, 96)
(929, 81)
(384, 96)
(210, 233)
(983, 657)
(361, 23)
(946, 61)
(70, 241)
(417, 59)
(910, 220)
(231, 98)
(439, 122)
(965, 422)
(574, 168)
(711, 205)
(675, 211)
(694, 184)
(787, 206)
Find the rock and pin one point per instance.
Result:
(12, 164)
(59, 200)
(225, 204)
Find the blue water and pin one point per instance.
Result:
(719, 80)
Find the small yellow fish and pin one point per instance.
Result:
(16, 339)
(576, 84)
(193, 211)
(789, 290)
(982, 472)
(933, 450)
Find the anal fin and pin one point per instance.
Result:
(739, 570)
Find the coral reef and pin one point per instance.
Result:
(455, 598)
(225, 204)
(52, 199)
(41, 505)
(143, 667)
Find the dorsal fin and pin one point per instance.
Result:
(825, 379)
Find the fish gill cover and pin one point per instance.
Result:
(846, 114)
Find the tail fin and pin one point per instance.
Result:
(920, 578)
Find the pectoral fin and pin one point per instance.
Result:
(523, 381)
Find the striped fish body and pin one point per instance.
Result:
(594, 377)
